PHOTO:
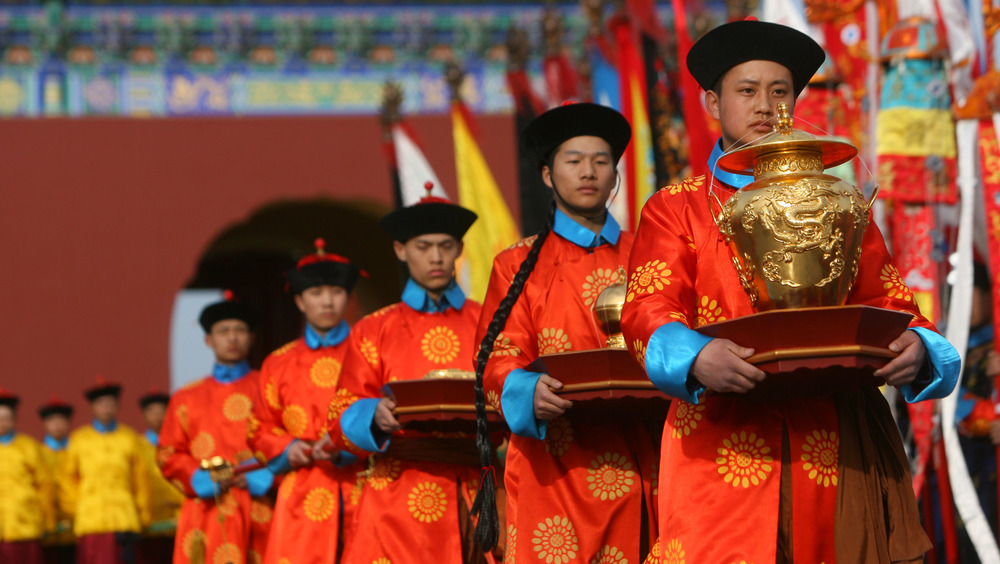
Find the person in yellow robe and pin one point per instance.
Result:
(25, 505)
(107, 480)
(157, 544)
(59, 544)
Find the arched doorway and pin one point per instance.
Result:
(252, 257)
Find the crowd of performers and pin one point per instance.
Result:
(322, 471)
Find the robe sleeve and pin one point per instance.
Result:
(352, 411)
(142, 479)
(266, 433)
(174, 451)
(45, 482)
(69, 479)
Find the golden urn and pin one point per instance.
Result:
(794, 232)
(608, 311)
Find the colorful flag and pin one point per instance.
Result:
(606, 90)
(477, 190)
(412, 167)
(702, 130)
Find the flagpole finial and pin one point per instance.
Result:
(429, 186)
(455, 75)
(518, 49)
(320, 246)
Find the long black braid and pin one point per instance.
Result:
(485, 506)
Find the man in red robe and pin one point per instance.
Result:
(224, 521)
(809, 479)
(415, 502)
(315, 501)
(579, 487)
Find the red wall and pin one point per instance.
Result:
(103, 220)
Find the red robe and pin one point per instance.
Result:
(409, 511)
(298, 385)
(723, 461)
(205, 419)
(577, 495)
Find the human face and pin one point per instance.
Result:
(6, 419)
(230, 340)
(430, 259)
(583, 175)
(323, 306)
(56, 426)
(747, 100)
(105, 409)
(154, 414)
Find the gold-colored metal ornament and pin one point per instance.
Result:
(450, 374)
(608, 311)
(795, 233)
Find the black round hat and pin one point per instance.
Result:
(737, 42)
(102, 388)
(323, 269)
(228, 308)
(574, 119)
(153, 396)
(55, 406)
(430, 215)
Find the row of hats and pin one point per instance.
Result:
(101, 388)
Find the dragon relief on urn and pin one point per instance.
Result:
(795, 233)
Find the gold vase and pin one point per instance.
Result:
(608, 311)
(794, 232)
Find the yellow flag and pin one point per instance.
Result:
(495, 229)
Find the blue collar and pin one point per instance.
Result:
(229, 373)
(53, 444)
(418, 298)
(981, 336)
(152, 437)
(101, 428)
(568, 229)
(331, 338)
(726, 177)
(6, 439)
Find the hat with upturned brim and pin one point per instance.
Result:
(429, 215)
(548, 131)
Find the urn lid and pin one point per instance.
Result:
(786, 139)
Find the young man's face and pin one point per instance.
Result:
(583, 173)
(230, 340)
(6, 419)
(56, 426)
(154, 414)
(747, 100)
(105, 409)
(430, 259)
(323, 306)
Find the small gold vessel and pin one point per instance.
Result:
(450, 374)
(608, 311)
(794, 232)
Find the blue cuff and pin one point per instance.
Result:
(670, 352)
(259, 481)
(202, 484)
(346, 459)
(356, 424)
(944, 364)
(518, 403)
(280, 464)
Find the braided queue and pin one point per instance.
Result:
(485, 505)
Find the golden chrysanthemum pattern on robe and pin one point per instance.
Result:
(553, 340)
(596, 282)
(820, 454)
(260, 512)
(689, 185)
(648, 278)
(227, 553)
(339, 404)
(555, 540)
(295, 420)
(369, 351)
(744, 460)
(558, 436)
(503, 347)
(325, 372)
(427, 502)
(686, 418)
(283, 349)
(202, 445)
(655, 555)
(609, 555)
(894, 285)
(237, 407)
(610, 476)
(287, 485)
(271, 393)
(440, 345)
(383, 472)
(319, 504)
(709, 311)
(639, 350)
(193, 544)
(673, 553)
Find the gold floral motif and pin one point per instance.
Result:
(655, 555)
(686, 418)
(440, 345)
(690, 242)
(260, 512)
(596, 282)
(193, 544)
(648, 278)
(383, 311)
(163, 454)
(294, 420)
(271, 393)
(609, 555)
(254, 557)
(639, 349)
(227, 553)
(427, 502)
(283, 349)
(820, 455)
(526, 242)
(369, 351)
(674, 552)
(382, 560)
(689, 185)
(610, 476)
(680, 317)
(493, 399)
(237, 407)
(552, 340)
(319, 504)
(202, 446)
(555, 540)
(894, 285)
(253, 425)
(242, 456)
(325, 372)
(339, 404)
(383, 472)
(511, 544)
(228, 504)
(558, 436)
(503, 347)
(709, 311)
(287, 485)
(182, 416)
(744, 460)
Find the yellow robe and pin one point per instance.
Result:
(165, 500)
(108, 477)
(60, 529)
(26, 486)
